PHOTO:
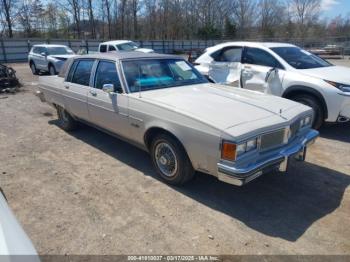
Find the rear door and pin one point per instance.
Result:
(256, 63)
(76, 87)
(226, 67)
(108, 110)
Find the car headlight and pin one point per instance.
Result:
(342, 87)
(230, 151)
(305, 121)
(251, 145)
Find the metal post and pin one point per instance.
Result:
(87, 46)
(3, 50)
(163, 47)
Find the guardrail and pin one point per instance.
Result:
(16, 50)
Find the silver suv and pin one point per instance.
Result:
(48, 58)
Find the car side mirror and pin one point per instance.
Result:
(108, 88)
(43, 54)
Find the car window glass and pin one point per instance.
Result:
(256, 56)
(111, 48)
(82, 72)
(35, 50)
(103, 48)
(106, 73)
(71, 71)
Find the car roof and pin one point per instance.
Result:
(126, 55)
(116, 42)
(256, 44)
(49, 45)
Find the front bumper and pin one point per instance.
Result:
(242, 175)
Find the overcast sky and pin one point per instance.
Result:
(332, 8)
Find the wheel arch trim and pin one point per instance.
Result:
(300, 89)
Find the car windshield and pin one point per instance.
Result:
(150, 74)
(127, 46)
(299, 58)
(59, 50)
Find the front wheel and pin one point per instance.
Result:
(66, 121)
(315, 105)
(52, 70)
(171, 160)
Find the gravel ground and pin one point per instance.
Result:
(86, 192)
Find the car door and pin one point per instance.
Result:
(226, 66)
(76, 87)
(40, 58)
(256, 64)
(108, 110)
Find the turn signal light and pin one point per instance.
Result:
(228, 151)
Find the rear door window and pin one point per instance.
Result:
(111, 48)
(232, 54)
(82, 72)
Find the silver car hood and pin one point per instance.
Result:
(221, 106)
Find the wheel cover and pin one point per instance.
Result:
(166, 159)
(52, 71)
(33, 68)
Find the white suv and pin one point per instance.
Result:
(283, 70)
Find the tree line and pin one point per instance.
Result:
(168, 19)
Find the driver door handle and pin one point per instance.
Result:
(93, 93)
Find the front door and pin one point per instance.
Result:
(256, 64)
(108, 110)
(226, 67)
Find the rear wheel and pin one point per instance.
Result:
(171, 160)
(33, 68)
(66, 121)
(315, 105)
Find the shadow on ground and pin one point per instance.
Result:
(277, 205)
(336, 131)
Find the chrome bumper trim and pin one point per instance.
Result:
(241, 176)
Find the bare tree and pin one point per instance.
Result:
(7, 6)
(91, 19)
(305, 13)
(244, 14)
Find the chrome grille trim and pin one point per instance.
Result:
(272, 139)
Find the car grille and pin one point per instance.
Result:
(294, 128)
(272, 139)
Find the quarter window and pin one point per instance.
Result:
(106, 73)
(256, 56)
(82, 72)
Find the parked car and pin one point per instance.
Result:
(13, 240)
(166, 107)
(48, 58)
(121, 45)
(294, 73)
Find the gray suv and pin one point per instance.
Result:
(48, 58)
